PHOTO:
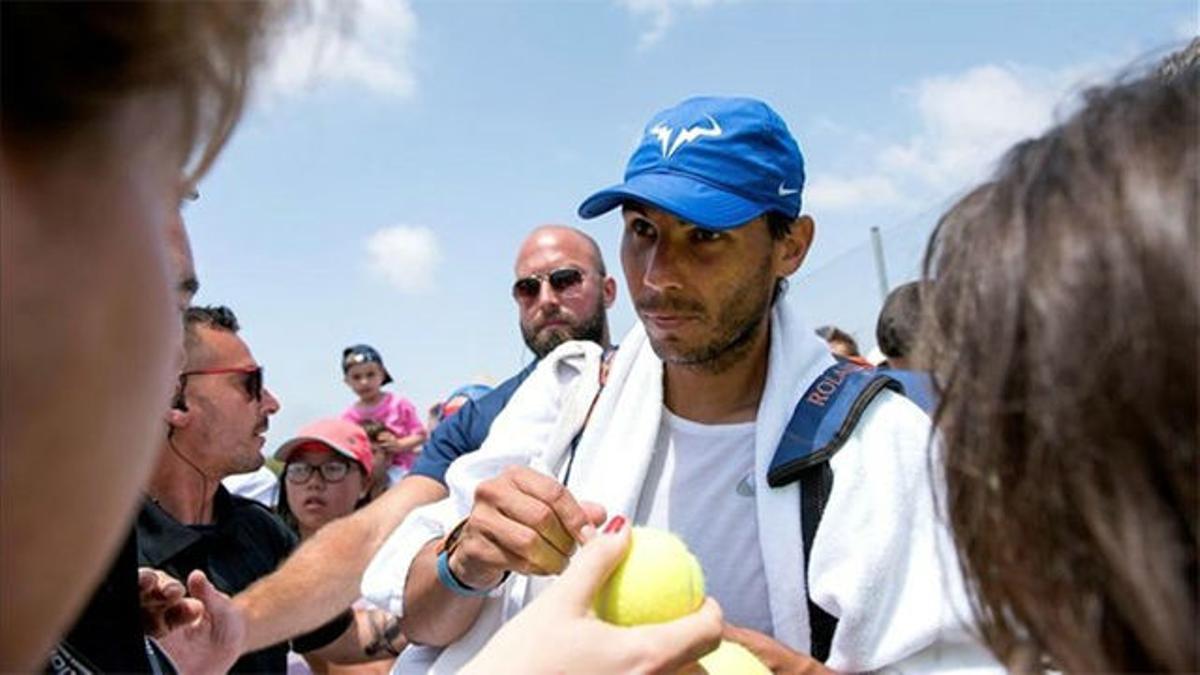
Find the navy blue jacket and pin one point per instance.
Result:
(466, 429)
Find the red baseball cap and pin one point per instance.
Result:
(341, 436)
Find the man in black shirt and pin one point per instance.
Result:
(190, 522)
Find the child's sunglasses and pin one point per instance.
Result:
(252, 382)
(562, 279)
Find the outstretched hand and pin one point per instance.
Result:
(211, 642)
(164, 602)
(570, 638)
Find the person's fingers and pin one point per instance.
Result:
(522, 548)
(595, 514)
(170, 589)
(668, 647)
(199, 587)
(147, 579)
(773, 654)
(479, 561)
(554, 494)
(541, 518)
(154, 624)
(589, 569)
(186, 612)
(157, 584)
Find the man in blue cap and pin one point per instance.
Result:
(684, 435)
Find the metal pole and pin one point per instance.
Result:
(880, 268)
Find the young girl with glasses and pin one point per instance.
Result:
(327, 475)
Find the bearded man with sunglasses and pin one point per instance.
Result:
(189, 521)
(563, 293)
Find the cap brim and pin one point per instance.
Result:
(292, 445)
(689, 199)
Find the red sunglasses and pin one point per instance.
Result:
(253, 380)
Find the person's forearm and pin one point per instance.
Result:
(322, 577)
(410, 442)
(375, 635)
(433, 614)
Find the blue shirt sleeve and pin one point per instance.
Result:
(466, 429)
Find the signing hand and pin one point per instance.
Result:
(571, 639)
(774, 655)
(522, 521)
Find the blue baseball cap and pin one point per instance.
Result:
(715, 162)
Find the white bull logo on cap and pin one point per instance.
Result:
(663, 133)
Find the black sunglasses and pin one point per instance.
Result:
(252, 380)
(333, 471)
(561, 279)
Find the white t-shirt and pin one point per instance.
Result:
(700, 486)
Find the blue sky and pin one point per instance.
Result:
(378, 188)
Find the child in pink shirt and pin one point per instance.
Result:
(366, 375)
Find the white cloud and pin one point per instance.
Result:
(660, 14)
(405, 256)
(964, 124)
(830, 193)
(365, 43)
(969, 120)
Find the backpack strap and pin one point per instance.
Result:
(824, 418)
(816, 482)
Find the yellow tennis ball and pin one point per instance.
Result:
(659, 580)
(732, 659)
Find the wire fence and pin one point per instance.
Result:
(845, 290)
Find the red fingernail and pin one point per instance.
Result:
(614, 525)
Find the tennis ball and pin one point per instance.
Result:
(730, 658)
(659, 580)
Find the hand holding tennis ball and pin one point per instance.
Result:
(659, 580)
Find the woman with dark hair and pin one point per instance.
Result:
(1062, 330)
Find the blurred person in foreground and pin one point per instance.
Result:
(110, 113)
(1063, 317)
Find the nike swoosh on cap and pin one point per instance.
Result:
(786, 191)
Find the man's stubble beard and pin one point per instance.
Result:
(592, 329)
(738, 325)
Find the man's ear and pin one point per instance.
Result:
(177, 415)
(794, 246)
(177, 419)
(610, 292)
